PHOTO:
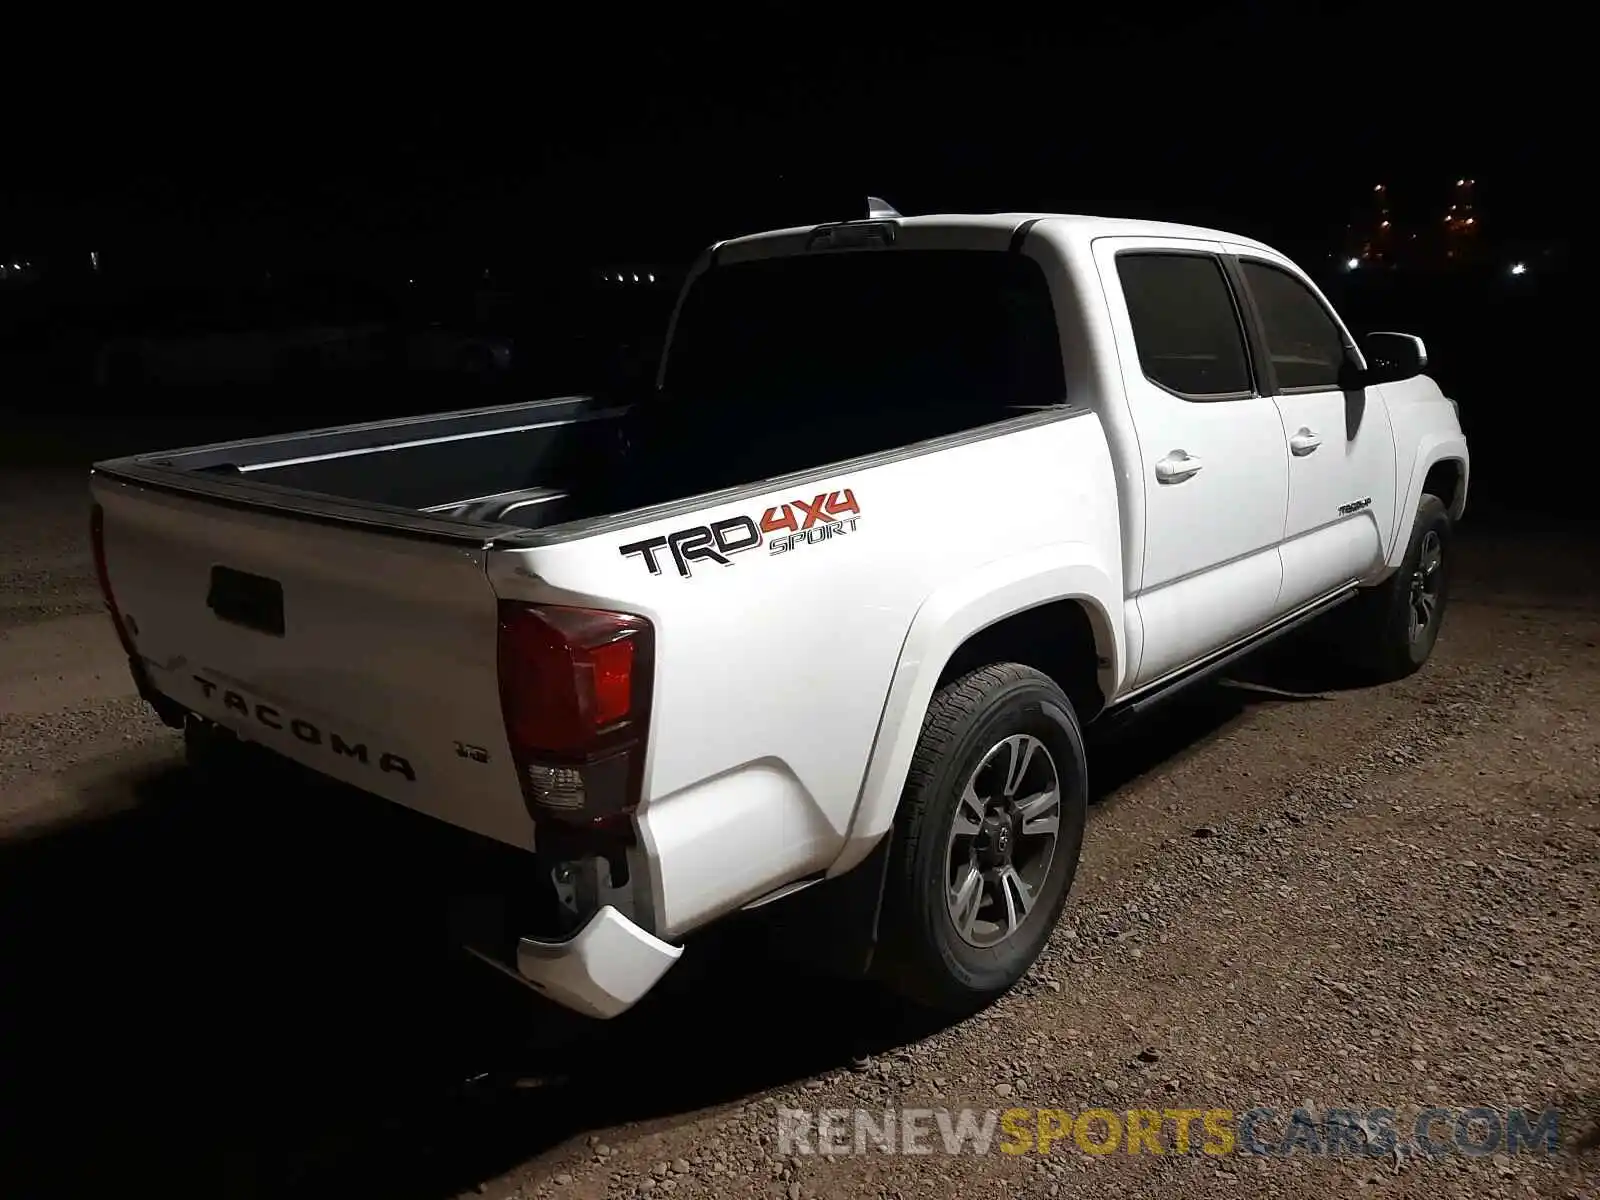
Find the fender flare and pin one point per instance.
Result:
(1433, 449)
(945, 620)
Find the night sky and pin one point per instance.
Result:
(510, 137)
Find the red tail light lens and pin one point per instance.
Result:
(575, 693)
(97, 541)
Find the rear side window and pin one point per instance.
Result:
(1306, 347)
(1185, 324)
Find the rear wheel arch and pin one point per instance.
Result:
(1067, 640)
(996, 621)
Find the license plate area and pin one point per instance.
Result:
(250, 601)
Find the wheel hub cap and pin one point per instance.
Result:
(1426, 586)
(1003, 840)
(995, 843)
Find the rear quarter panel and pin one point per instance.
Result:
(773, 670)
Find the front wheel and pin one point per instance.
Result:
(1389, 632)
(987, 838)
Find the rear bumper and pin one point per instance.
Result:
(601, 971)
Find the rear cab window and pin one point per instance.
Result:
(880, 348)
(782, 365)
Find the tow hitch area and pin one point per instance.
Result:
(587, 954)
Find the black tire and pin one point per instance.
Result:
(1377, 633)
(922, 954)
(211, 752)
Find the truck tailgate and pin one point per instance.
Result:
(367, 656)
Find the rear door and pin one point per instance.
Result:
(367, 656)
(1211, 450)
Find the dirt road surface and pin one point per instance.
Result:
(1289, 898)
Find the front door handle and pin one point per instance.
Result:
(1176, 467)
(1303, 442)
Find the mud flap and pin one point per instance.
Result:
(832, 927)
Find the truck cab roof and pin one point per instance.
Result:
(978, 229)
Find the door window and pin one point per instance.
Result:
(1305, 345)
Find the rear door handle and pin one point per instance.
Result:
(1303, 442)
(1176, 467)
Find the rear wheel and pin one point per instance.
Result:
(987, 839)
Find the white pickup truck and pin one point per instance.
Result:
(911, 501)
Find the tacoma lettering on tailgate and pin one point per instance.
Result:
(306, 731)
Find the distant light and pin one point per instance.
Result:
(1384, 225)
(1519, 268)
(1461, 183)
(636, 279)
(1379, 188)
(1352, 263)
(652, 278)
(1470, 220)
(16, 266)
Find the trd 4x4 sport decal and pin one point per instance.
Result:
(783, 528)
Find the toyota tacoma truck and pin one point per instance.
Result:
(824, 611)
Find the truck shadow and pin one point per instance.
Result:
(259, 987)
(1276, 674)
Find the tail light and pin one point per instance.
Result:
(97, 540)
(575, 693)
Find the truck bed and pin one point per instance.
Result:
(505, 474)
(460, 474)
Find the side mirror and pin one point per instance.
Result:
(1392, 357)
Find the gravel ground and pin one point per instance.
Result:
(1288, 899)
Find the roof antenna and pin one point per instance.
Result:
(879, 209)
